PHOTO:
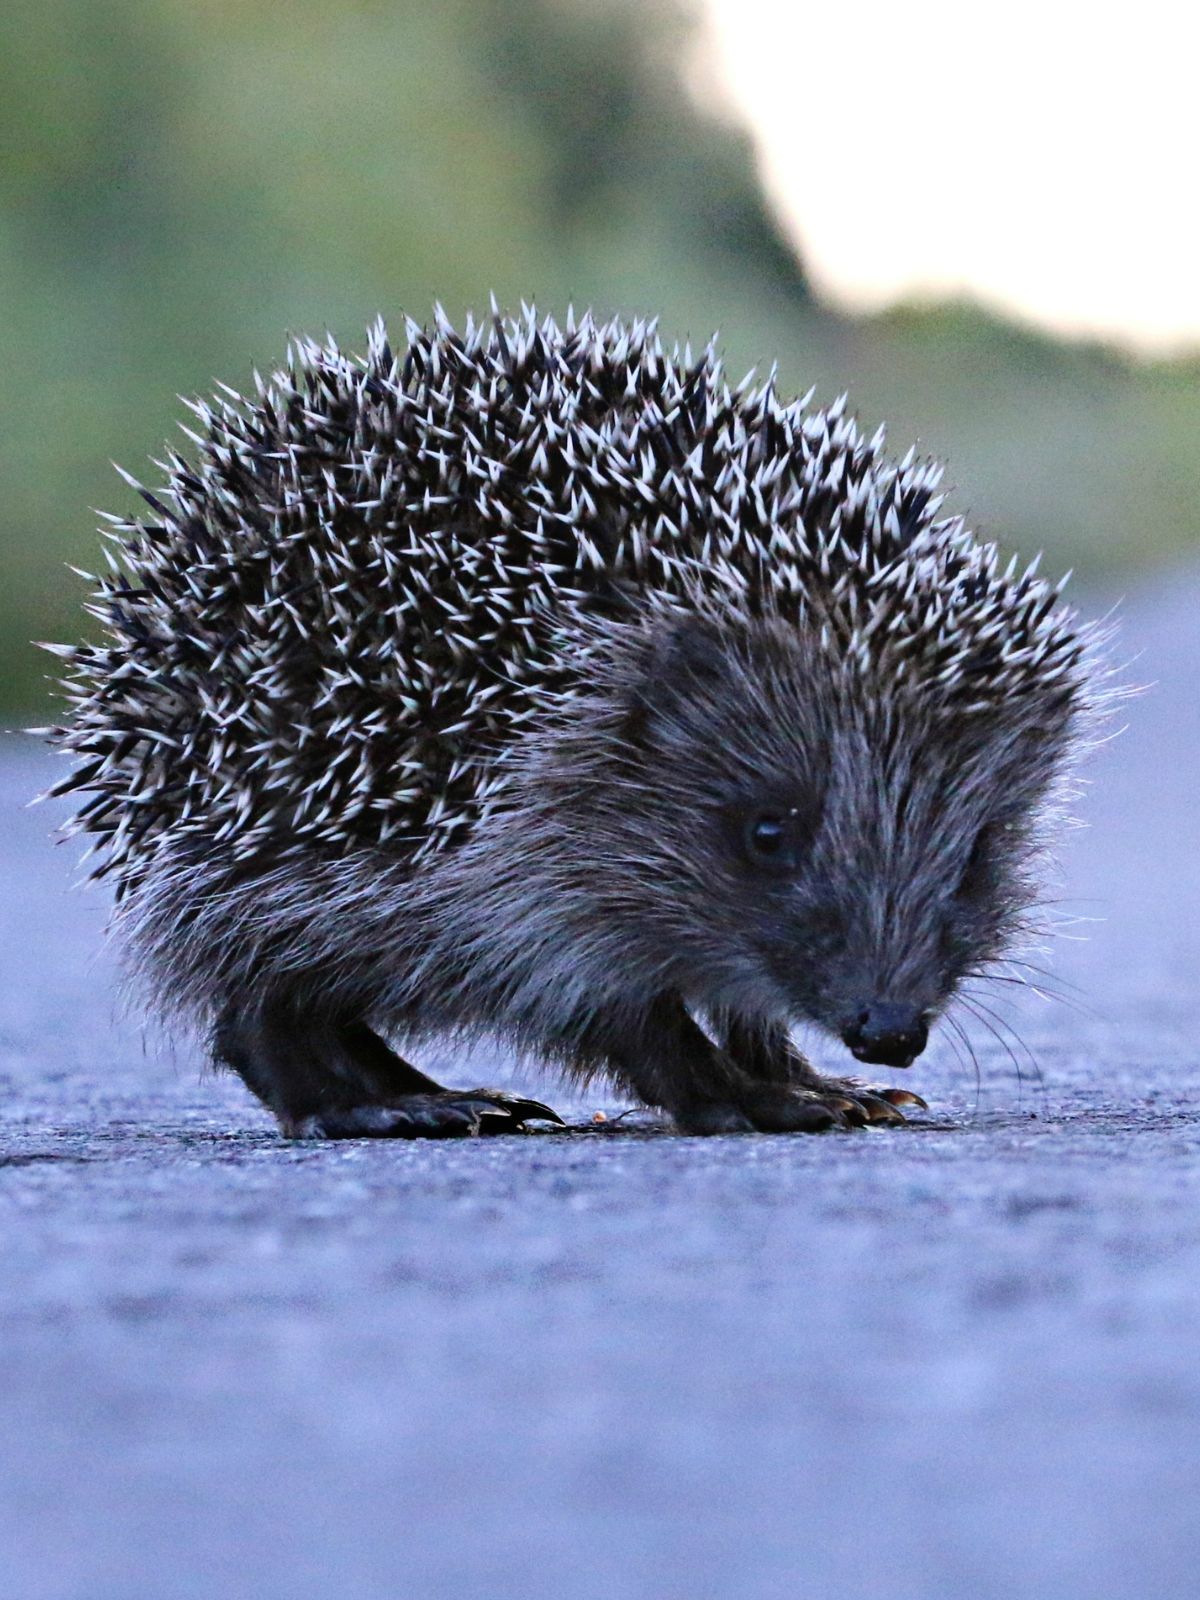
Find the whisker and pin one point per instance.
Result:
(955, 1045)
(1043, 991)
(991, 1027)
(1021, 960)
(960, 1033)
(998, 1027)
(1048, 985)
(1072, 905)
(1004, 1023)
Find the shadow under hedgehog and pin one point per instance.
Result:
(534, 682)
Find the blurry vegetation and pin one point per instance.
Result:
(182, 182)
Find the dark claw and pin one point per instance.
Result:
(901, 1097)
(851, 1112)
(496, 1103)
(878, 1109)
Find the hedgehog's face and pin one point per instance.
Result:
(852, 860)
(904, 871)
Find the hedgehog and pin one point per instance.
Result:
(535, 683)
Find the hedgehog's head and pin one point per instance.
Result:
(834, 834)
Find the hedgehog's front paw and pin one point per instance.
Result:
(861, 1103)
(773, 1110)
(829, 1103)
(452, 1114)
(709, 1117)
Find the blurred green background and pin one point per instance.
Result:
(181, 184)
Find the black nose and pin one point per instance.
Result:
(887, 1035)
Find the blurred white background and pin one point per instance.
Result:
(1039, 157)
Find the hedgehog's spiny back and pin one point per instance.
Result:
(362, 590)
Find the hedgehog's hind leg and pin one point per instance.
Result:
(336, 1080)
(766, 1052)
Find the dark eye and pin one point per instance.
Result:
(770, 839)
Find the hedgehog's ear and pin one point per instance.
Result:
(683, 658)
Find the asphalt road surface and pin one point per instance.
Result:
(960, 1359)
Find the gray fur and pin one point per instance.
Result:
(437, 693)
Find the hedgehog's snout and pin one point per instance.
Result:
(887, 1035)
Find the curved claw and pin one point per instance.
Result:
(498, 1103)
(534, 1111)
(878, 1109)
(901, 1097)
(852, 1111)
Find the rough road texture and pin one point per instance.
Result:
(955, 1360)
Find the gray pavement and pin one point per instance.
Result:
(960, 1359)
